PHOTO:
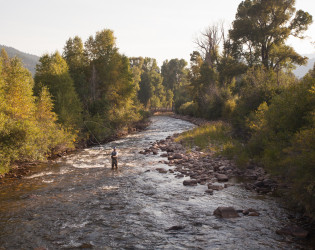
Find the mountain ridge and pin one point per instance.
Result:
(29, 60)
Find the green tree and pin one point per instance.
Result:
(27, 130)
(76, 59)
(261, 28)
(151, 92)
(52, 72)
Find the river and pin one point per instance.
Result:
(80, 202)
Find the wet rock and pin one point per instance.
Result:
(178, 156)
(249, 186)
(190, 182)
(170, 157)
(215, 187)
(175, 228)
(250, 212)
(294, 231)
(226, 212)
(86, 246)
(161, 170)
(179, 176)
(164, 155)
(226, 185)
(154, 151)
(209, 191)
(253, 214)
(222, 177)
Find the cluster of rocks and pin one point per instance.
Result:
(202, 168)
(205, 169)
(230, 212)
(214, 173)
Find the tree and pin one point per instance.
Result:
(27, 127)
(76, 59)
(52, 72)
(151, 92)
(136, 65)
(261, 28)
(174, 74)
(209, 42)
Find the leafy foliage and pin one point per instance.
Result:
(28, 128)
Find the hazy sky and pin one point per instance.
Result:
(163, 29)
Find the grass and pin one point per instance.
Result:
(215, 137)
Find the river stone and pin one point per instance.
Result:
(293, 231)
(173, 228)
(161, 170)
(177, 156)
(209, 191)
(154, 151)
(190, 182)
(222, 177)
(215, 187)
(225, 212)
(250, 212)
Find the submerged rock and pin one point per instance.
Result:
(250, 212)
(174, 228)
(161, 170)
(215, 187)
(226, 212)
(294, 231)
(190, 182)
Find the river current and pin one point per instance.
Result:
(80, 202)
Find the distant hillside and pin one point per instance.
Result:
(302, 70)
(28, 60)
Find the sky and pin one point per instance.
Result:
(163, 29)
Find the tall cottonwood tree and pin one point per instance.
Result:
(76, 59)
(261, 28)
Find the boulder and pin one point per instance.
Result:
(190, 182)
(222, 177)
(295, 231)
(215, 187)
(173, 228)
(226, 212)
(179, 176)
(154, 151)
(177, 156)
(161, 170)
(250, 212)
(209, 191)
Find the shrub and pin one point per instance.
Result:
(188, 108)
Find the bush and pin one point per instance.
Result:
(188, 108)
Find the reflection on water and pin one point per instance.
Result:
(80, 202)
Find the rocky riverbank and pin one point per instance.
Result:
(215, 173)
(206, 169)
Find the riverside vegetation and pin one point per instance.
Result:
(242, 77)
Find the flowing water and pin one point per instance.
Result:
(80, 202)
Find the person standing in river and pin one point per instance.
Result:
(114, 156)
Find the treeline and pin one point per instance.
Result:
(87, 94)
(244, 76)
